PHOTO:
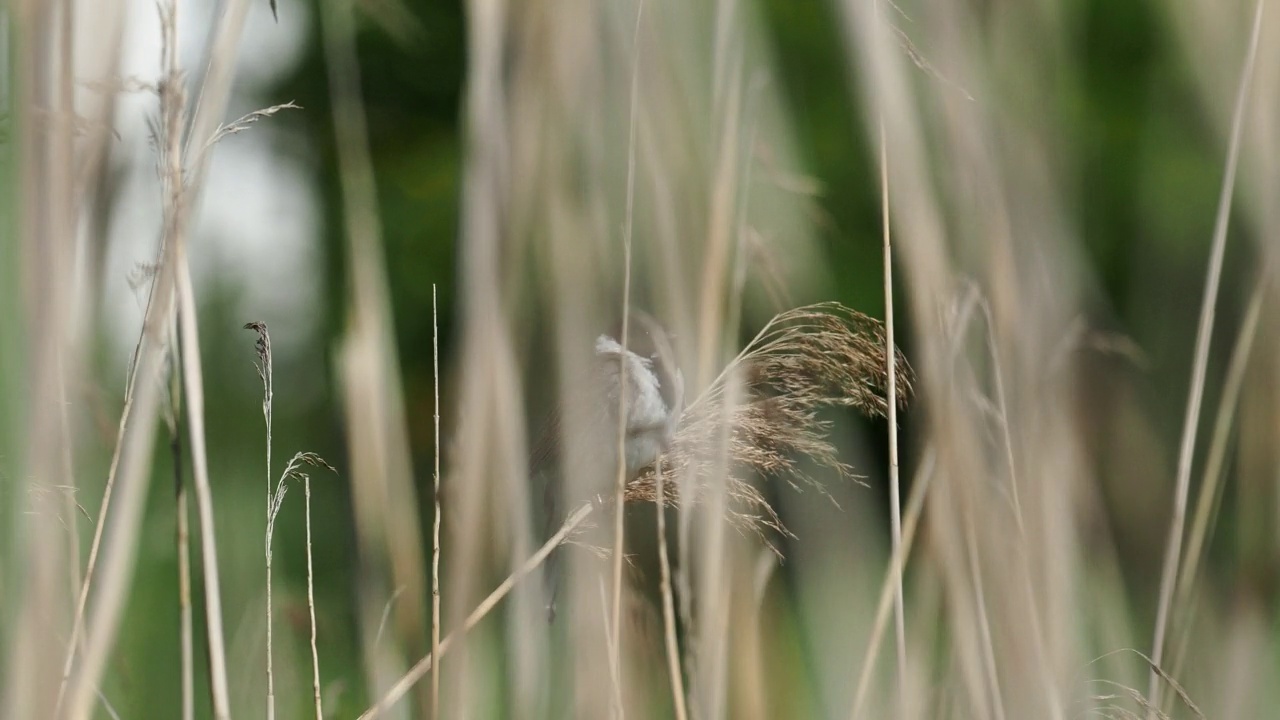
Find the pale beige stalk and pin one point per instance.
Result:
(1204, 335)
(668, 606)
(423, 666)
(915, 505)
(385, 501)
(620, 486)
(435, 529)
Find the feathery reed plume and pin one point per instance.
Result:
(263, 364)
(805, 359)
(294, 470)
(245, 122)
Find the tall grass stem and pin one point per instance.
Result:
(1204, 337)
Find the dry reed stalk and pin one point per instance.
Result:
(1204, 335)
(1051, 692)
(423, 666)
(38, 551)
(671, 642)
(76, 642)
(721, 217)
(138, 419)
(991, 673)
(1209, 501)
(435, 526)
(620, 485)
(615, 673)
(891, 374)
(45, 350)
(895, 491)
(924, 131)
(194, 388)
(182, 542)
(133, 455)
(70, 489)
(295, 471)
(972, 300)
(750, 658)
(915, 506)
(613, 630)
(63, 202)
(173, 100)
(387, 526)
(311, 607)
(1210, 498)
(484, 351)
(544, 122)
(137, 425)
(80, 685)
(185, 623)
(715, 570)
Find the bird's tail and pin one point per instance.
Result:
(553, 568)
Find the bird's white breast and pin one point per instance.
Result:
(650, 423)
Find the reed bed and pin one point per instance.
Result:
(1072, 534)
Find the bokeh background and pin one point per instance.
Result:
(1068, 156)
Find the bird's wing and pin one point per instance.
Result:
(545, 453)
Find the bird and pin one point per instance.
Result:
(654, 399)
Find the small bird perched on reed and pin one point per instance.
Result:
(654, 399)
